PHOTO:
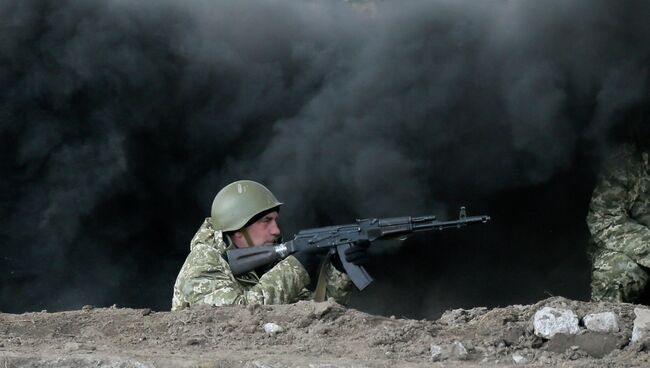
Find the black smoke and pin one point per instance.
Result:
(120, 120)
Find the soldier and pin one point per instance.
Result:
(619, 222)
(245, 214)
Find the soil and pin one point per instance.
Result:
(314, 335)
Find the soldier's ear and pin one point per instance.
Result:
(238, 239)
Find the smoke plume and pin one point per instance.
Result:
(120, 120)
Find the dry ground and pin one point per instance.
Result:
(315, 335)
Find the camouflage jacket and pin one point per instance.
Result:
(619, 212)
(205, 278)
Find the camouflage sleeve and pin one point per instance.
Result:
(339, 285)
(282, 284)
(209, 281)
(608, 218)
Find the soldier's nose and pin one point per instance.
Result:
(275, 229)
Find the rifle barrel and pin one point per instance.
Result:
(441, 225)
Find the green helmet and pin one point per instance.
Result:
(239, 202)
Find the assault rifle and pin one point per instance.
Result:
(341, 237)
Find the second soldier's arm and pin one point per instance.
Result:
(609, 217)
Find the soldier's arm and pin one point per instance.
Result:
(608, 218)
(339, 285)
(208, 280)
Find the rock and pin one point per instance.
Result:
(550, 321)
(272, 328)
(146, 312)
(641, 329)
(87, 307)
(456, 351)
(519, 359)
(601, 322)
(437, 353)
(596, 344)
(195, 341)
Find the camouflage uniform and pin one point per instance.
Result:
(205, 278)
(619, 221)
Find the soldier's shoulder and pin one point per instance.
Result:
(208, 236)
(202, 258)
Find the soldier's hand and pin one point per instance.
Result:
(357, 254)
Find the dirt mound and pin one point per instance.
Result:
(312, 335)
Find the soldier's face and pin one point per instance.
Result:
(266, 230)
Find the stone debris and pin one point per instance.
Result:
(601, 322)
(519, 359)
(455, 350)
(272, 328)
(550, 321)
(436, 353)
(458, 351)
(641, 330)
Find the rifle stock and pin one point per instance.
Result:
(242, 260)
